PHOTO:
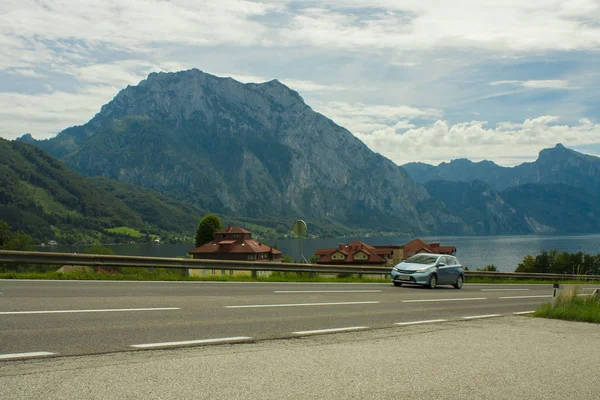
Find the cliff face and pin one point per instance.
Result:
(251, 150)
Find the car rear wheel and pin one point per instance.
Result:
(432, 282)
(397, 284)
(459, 282)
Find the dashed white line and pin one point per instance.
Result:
(304, 304)
(186, 342)
(434, 300)
(502, 290)
(351, 328)
(88, 311)
(483, 316)
(523, 312)
(25, 355)
(431, 321)
(525, 297)
(327, 291)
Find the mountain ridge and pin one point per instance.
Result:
(248, 150)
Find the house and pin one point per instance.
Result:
(235, 244)
(418, 246)
(360, 253)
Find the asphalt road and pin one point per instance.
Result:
(61, 318)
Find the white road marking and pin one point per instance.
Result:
(433, 300)
(304, 304)
(351, 328)
(501, 290)
(431, 321)
(24, 355)
(526, 297)
(483, 316)
(87, 311)
(523, 312)
(186, 342)
(327, 291)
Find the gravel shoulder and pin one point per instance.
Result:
(500, 358)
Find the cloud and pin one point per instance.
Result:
(538, 84)
(44, 115)
(507, 144)
(364, 119)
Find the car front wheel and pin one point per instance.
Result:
(397, 284)
(459, 282)
(432, 282)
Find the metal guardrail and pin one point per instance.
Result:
(97, 260)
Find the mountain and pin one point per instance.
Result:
(480, 206)
(40, 196)
(555, 208)
(530, 208)
(557, 165)
(249, 151)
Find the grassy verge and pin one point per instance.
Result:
(570, 306)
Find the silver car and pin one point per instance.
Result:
(429, 270)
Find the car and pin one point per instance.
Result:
(429, 270)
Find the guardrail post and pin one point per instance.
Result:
(555, 293)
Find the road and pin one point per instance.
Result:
(63, 318)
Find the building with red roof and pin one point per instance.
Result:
(235, 243)
(360, 253)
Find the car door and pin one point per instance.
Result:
(444, 270)
(453, 270)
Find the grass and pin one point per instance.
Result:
(123, 230)
(572, 307)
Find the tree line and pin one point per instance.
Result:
(553, 262)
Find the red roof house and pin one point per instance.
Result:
(357, 252)
(235, 243)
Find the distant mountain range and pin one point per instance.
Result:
(258, 155)
(558, 193)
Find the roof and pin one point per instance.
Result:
(232, 229)
(418, 246)
(349, 251)
(248, 246)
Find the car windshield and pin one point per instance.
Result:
(422, 259)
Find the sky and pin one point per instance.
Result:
(415, 80)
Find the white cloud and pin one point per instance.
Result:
(507, 144)
(538, 84)
(44, 115)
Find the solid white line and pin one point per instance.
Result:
(525, 297)
(433, 300)
(185, 342)
(87, 311)
(501, 290)
(483, 316)
(327, 291)
(23, 355)
(523, 312)
(352, 328)
(304, 304)
(431, 321)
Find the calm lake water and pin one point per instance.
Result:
(506, 252)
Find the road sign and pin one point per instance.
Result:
(299, 228)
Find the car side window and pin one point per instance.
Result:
(450, 261)
(444, 260)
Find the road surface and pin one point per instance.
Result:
(65, 318)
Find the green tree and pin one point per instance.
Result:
(207, 228)
(4, 233)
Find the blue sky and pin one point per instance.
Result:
(415, 80)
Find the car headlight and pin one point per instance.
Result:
(395, 269)
(424, 270)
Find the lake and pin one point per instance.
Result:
(505, 252)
